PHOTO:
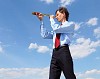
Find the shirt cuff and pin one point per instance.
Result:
(41, 22)
(51, 19)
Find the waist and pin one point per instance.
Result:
(64, 45)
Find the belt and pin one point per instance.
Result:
(64, 45)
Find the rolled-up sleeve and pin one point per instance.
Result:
(44, 33)
(67, 27)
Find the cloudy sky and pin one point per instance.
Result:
(24, 54)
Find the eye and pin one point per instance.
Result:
(56, 14)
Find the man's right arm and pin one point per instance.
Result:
(44, 33)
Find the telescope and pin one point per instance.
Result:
(37, 13)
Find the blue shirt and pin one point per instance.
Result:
(66, 30)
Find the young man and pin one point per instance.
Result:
(61, 34)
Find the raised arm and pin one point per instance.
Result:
(44, 32)
(67, 27)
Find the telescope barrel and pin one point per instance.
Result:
(37, 13)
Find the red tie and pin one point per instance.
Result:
(57, 40)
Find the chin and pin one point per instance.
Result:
(58, 20)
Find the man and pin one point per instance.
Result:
(61, 58)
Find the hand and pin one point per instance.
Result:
(52, 16)
(40, 16)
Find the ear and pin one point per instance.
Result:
(64, 14)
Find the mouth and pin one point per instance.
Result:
(57, 18)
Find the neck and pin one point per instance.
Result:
(63, 20)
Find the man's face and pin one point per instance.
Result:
(60, 16)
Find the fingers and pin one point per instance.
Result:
(52, 16)
(40, 16)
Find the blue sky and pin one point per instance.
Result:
(25, 54)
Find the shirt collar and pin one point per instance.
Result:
(64, 22)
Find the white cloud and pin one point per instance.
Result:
(43, 49)
(33, 46)
(20, 73)
(83, 47)
(48, 1)
(66, 2)
(97, 32)
(43, 73)
(89, 74)
(62, 2)
(40, 49)
(92, 72)
(92, 21)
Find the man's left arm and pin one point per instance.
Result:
(67, 27)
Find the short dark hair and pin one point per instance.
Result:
(63, 10)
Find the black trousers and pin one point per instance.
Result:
(61, 62)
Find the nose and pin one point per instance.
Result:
(56, 17)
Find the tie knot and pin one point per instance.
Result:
(58, 35)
